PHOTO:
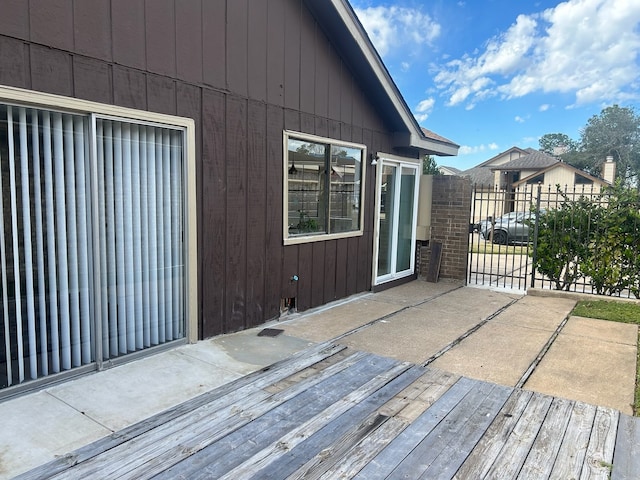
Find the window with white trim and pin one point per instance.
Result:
(92, 239)
(323, 188)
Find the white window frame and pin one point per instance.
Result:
(319, 237)
(28, 98)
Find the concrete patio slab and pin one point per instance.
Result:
(428, 317)
(409, 336)
(251, 352)
(417, 333)
(587, 362)
(326, 324)
(415, 292)
(497, 352)
(126, 394)
(544, 313)
(42, 427)
(473, 303)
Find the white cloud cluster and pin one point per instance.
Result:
(397, 28)
(589, 48)
(467, 150)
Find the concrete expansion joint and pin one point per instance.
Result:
(386, 317)
(469, 332)
(84, 414)
(527, 374)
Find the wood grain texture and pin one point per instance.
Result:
(189, 41)
(626, 461)
(329, 412)
(128, 33)
(213, 213)
(236, 214)
(256, 213)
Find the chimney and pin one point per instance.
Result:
(609, 169)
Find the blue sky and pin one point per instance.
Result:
(491, 74)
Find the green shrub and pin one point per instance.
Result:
(562, 243)
(599, 240)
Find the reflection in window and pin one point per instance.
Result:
(324, 187)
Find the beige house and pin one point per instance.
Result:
(506, 182)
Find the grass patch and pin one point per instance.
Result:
(624, 312)
(488, 248)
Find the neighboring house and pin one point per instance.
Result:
(444, 170)
(170, 171)
(502, 181)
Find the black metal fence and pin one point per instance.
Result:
(504, 243)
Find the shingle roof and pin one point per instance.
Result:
(483, 174)
(534, 160)
(479, 175)
(453, 170)
(434, 136)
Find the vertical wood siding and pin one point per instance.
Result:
(243, 72)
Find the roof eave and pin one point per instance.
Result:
(414, 138)
(433, 147)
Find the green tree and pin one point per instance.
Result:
(616, 132)
(557, 144)
(429, 166)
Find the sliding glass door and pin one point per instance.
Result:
(91, 240)
(396, 220)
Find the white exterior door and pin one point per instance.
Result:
(396, 218)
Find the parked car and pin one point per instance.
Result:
(512, 227)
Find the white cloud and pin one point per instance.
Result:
(544, 107)
(405, 66)
(519, 119)
(588, 48)
(398, 28)
(467, 150)
(424, 109)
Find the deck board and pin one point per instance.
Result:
(626, 459)
(330, 412)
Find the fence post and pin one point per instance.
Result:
(535, 238)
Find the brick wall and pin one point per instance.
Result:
(450, 214)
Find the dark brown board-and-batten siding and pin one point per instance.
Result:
(244, 73)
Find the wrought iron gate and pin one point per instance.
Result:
(501, 239)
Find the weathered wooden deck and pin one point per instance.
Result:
(329, 412)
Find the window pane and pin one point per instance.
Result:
(307, 183)
(324, 187)
(346, 166)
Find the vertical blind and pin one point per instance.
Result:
(85, 261)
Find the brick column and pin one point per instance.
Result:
(450, 218)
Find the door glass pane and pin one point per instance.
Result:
(387, 210)
(45, 252)
(405, 219)
(140, 214)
